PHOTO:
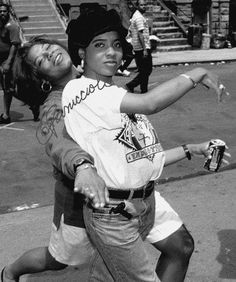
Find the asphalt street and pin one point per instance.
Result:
(26, 172)
(206, 201)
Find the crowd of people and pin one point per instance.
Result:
(105, 153)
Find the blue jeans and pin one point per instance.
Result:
(120, 240)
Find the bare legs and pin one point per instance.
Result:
(32, 261)
(176, 251)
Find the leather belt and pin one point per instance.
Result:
(141, 193)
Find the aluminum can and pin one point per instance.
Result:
(216, 148)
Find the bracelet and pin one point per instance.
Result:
(190, 78)
(84, 166)
(186, 150)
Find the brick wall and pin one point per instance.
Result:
(218, 15)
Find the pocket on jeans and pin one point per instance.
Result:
(115, 229)
(104, 215)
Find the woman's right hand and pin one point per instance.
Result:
(209, 80)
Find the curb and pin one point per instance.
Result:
(194, 175)
(162, 181)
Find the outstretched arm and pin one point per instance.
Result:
(169, 92)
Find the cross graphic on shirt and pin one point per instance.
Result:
(144, 138)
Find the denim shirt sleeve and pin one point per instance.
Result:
(63, 151)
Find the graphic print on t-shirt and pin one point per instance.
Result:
(139, 136)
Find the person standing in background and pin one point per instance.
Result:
(9, 42)
(142, 50)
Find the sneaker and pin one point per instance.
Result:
(4, 120)
(126, 73)
(130, 89)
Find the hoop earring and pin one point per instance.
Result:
(82, 63)
(46, 86)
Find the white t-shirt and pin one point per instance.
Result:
(127, 151)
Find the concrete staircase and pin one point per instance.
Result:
(171, 36)
(42, 17)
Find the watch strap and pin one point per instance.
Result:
(186, 150)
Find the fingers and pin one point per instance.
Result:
(92, 194)
(212, 81)
(97, 195)
(227, 155)
(225, 161)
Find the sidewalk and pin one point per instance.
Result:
(192, 56)
(206, 204)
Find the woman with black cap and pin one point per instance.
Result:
(110, 124)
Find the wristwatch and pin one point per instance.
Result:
(80, 162)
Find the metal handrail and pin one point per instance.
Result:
(173, 16)
(61, 11)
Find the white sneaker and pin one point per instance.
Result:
(126, 73)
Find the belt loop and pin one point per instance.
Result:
(131, 193)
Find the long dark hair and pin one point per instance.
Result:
(27, 79)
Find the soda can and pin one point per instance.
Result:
(216, 148)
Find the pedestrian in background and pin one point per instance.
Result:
(9, 42)
(142, 48)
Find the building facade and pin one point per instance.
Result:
(218, 19)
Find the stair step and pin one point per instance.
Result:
(173, 48)
(38, 24)
(156, 14)
(59, 36)
(30, 5)
(163, 24)
(168, 29)
(162, 18)
(33, 30)
(169, 35)
(39, 18)
(48, 12)
(27, 2)
(172, 41)
(31, 9)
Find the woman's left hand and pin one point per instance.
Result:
(203, 149)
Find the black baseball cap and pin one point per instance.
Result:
(95, 22)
